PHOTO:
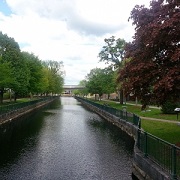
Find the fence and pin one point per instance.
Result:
(7, 109)
(129, 117)
(164, 154)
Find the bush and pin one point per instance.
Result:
(168, 107)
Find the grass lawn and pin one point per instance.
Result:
(8, 102)
(169, 132)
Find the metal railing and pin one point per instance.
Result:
(7, 109)
(129, 117)
(164, 154)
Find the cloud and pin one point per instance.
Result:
(72, 31)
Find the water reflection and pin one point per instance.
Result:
(117, 136)
(22, 135)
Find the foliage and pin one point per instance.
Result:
(54, 76)
(24, 73)
(100, 81)
(113, 52)
(169, 106)
(44, 81)
(10, 54)
(21, 75)
(35, 71)
(6, 79)
(82, 92)
(153, 73)
(6, 75)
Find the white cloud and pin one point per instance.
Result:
(71, 31)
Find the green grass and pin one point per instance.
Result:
(169, 132)
(8, 102)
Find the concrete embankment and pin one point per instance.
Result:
(14, 119)
(8, 117)
(142, 167)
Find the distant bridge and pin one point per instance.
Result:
(72, 87)
(69, 88)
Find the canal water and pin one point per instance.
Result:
(65, 141)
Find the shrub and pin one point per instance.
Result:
(168, 107)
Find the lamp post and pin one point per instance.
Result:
(177, 110)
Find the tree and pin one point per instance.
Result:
(35, 72)
(54, 76)
(24, 73)
(100, 81)
(44, 81)
(83, 92)
(113, 54)
(153, 72)
(6, 79)
(10, 53)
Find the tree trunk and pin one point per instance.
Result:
(95, 97)
(121, 96)
(15, 97)
(10, 95)
(1, 95)
(108, 96)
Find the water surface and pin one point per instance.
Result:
(66, 142)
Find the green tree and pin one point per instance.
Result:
(35, 72)
(44, 81)
(6, 79)
(113, 54)
(10, 53)
(83, 92)
(54, 76)
(100, 81)
(153, 74)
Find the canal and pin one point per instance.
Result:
(65, 141)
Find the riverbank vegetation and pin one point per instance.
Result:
(23, 74)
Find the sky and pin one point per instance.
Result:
(72, 31)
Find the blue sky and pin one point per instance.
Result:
(4, 8)
(72, 31)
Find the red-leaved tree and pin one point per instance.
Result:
(154, 70)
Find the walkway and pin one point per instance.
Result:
(161, 120)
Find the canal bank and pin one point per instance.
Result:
(13, 117)
(144, 166)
